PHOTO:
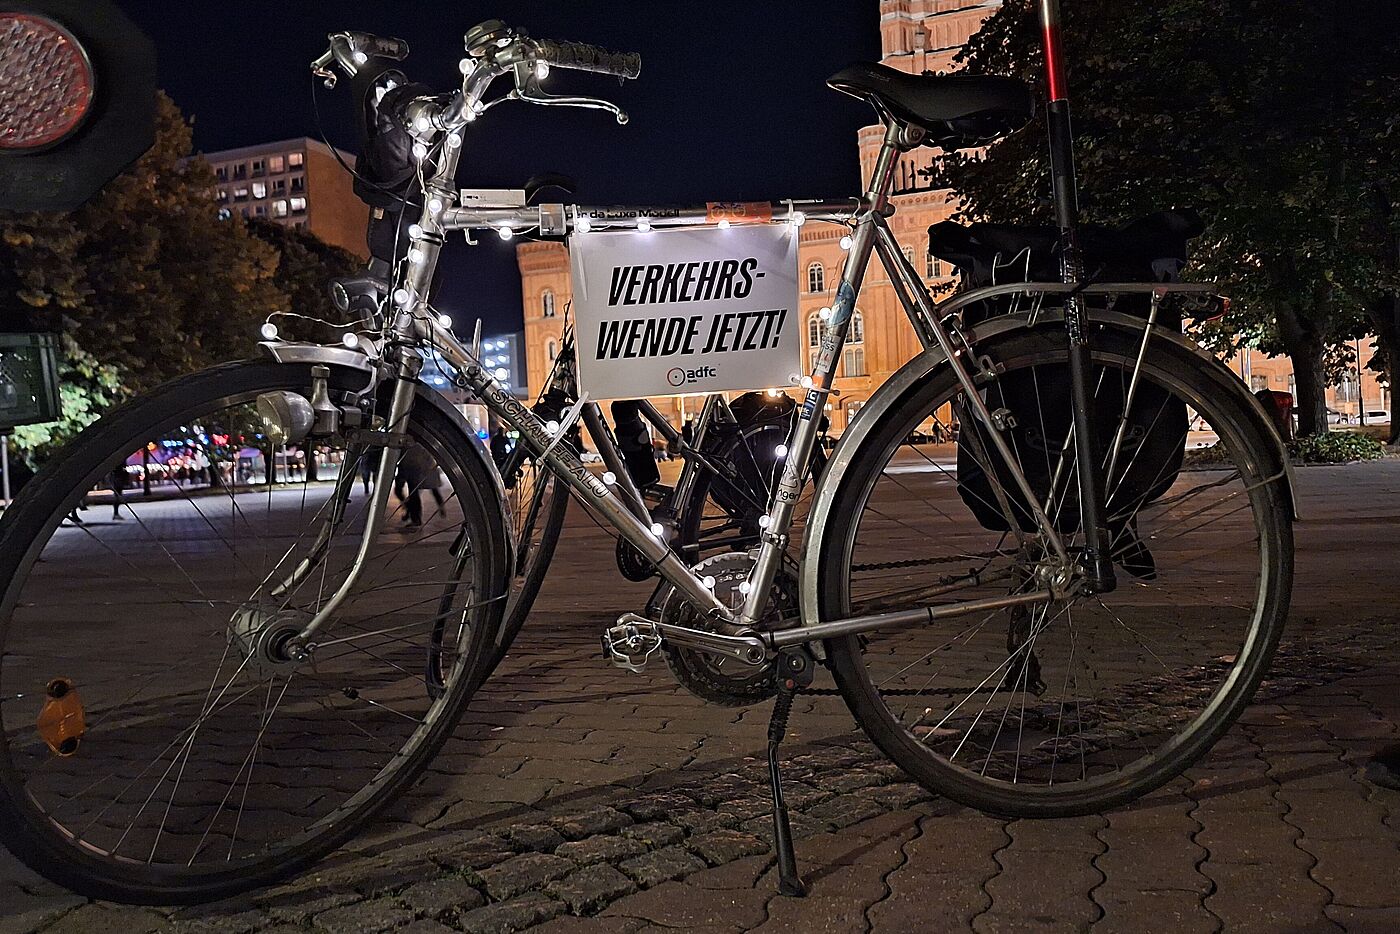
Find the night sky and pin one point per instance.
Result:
(731, 104)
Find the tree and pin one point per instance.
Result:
(305, 266)
(1231, 108)
(147, 281)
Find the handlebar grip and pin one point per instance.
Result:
(380, 46)
(580, 56)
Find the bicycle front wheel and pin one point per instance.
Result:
(157, 747)
(1065, 706)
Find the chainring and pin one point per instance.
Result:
(717, 679)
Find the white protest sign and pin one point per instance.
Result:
(664, 312)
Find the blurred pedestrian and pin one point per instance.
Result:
(417, 471)
(117, 479)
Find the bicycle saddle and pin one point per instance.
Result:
(958, 111)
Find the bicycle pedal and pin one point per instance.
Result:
(630, 644)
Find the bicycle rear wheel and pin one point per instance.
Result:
(1063, 706)
(206, 764)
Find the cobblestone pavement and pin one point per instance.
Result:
(580, 799)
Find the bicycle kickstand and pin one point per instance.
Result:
(794, 673)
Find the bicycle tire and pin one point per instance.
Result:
(26, 829)
(855, 473)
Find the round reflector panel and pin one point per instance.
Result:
(46, 82)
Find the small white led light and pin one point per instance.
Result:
(420, 152)
(541, 70)
(422, 124)
(609, 478)
(745, 587)
(269, 331)
(806, 382)
(658, 529)
(764, 521)
(505, 233)
(583, 225)
(781, 450)
(454, 140)
(502, 373)
(444, 321)
(846, 243)
(402, 297)
(774, 393)
(470, 115)
(824, 314)
(435, 205)
(552, 427)
(360, 58)
(798, 218)
(488, 345)
(351, 340)
(415, 231)
(724, 223)
(709, 582)
(643, 224)
(415, 256)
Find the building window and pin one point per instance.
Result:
(551, 348)
(547, 303)
(260, 210)
(221, 173)
(259, 189)
(244, 212)
(298, 205)
(816, 278)
(221, 195)
(259, 167)
(909, 255)
(240, 170)
(1257, 383)
(299, 183)
(295, 159)
(276, 164)
(814, 330)
(853, 355)
(240, 194)
(279, 186)
(933, 267)
(279, 209)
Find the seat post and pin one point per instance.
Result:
(1098, 560)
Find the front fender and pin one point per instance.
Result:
(984, 339)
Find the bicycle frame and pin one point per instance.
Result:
(414, 324)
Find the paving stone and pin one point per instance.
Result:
(371, 917)
(295, 907)
(216, 920)
(814, 914)
(673, 905)
(1365, 920)
(921, 900)
(476, 855)
(1150, 860)
(844, 810)
(539, 838)
(101, 918)
(658, 806)
(899, 795)
(740, 874)
(1250, 898)
(722, 846)
(593, 821)
(591, 888)
(424, 926)
(569, 924)
(1039, 884)
(522, 873)
(654, 833)
(1153, 909)
(1349, 869)
(434, 896)
(601, 849)
(661, 865)
(1064, 835)
(508, 917)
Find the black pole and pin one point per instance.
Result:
(1098, 561)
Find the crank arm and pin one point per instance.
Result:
(638, 636)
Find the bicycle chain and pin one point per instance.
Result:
(907, 563)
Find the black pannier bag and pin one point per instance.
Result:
(386, 173)
(1151, 249)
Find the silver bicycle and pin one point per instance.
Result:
(1055, 618)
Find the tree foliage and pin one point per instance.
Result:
(148, 282)
(1253, 112)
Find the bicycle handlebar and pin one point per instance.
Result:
(581, 56)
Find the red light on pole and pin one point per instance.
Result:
(47, 83)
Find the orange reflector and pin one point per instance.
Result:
(61, 722)
(46, 82)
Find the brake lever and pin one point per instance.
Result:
(536, 96)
